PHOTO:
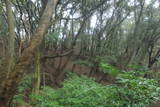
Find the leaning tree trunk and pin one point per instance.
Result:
(9, 85)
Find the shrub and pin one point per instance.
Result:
(22, 89)
(81, 91)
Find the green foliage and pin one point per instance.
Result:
(139, 91)
(46, 98)
(23, 86)
(129, 91)
(137, 67)
(76, 92)
(83, 62)
(53, 37)
(109, 69)
(18, 99)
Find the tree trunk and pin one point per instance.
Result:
(9, 85)
(37, 74)
(11, 37)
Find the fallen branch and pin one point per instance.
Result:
(58, 55)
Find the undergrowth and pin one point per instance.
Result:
(129, 90)
(81, 91)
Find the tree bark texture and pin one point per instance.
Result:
(9, 85)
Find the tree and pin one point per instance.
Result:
(8, 87)
(12, 35)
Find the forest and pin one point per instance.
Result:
(79, 53)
